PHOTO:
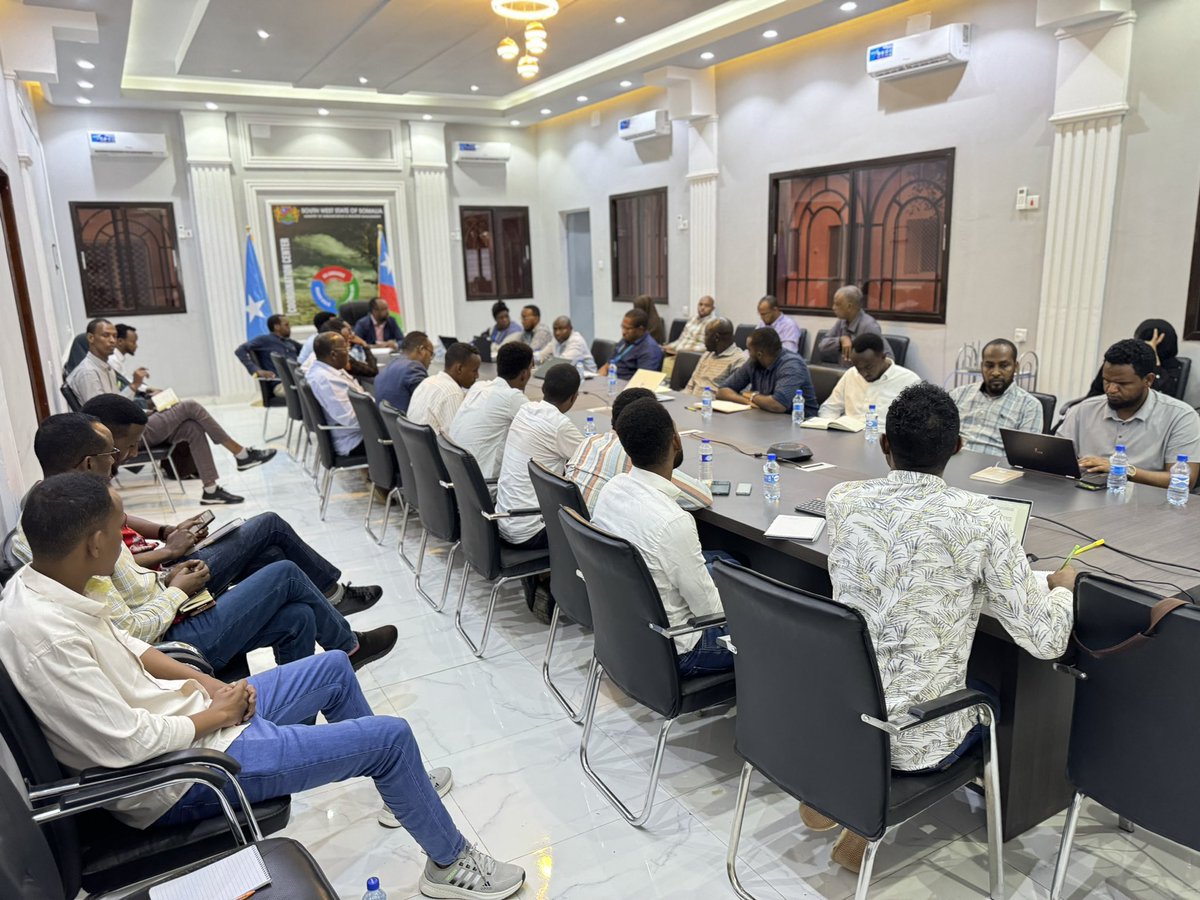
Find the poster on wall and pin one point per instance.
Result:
(326, 255)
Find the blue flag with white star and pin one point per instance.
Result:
(258, 304)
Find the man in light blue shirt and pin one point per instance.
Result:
(773, 317)
(331, 385)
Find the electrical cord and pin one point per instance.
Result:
(1091, 565)
(1145, 559)
(699, 436)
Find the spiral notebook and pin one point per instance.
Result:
(226, 879)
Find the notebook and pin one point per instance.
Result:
(164, 399)
(229, 878)
(841, 423)
(796, 528)
(730, 406)
(646, 378)
(225, 530)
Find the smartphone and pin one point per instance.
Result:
(202, 523)
(1084, 485)
(744, 488)
(720, 488)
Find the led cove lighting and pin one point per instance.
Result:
(322, 111)
(427, 117)
(84, 100)
(514, 122)
(707, 54)
(210, 106)
(770, 34)
(626, 83)
(86, 85)
(263, 34)
(848, 6)
(85, 65)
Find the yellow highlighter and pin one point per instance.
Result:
(1079, 550)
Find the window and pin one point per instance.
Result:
(883, 225)
(1191, 325)
(639, 245)
(127, 258)
(496, 259)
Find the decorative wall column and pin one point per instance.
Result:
(1090, 103)
(210, 180)
(432, 193)
(702, 207)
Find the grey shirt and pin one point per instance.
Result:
(829, 350)
(1159, 431)
(93, 377)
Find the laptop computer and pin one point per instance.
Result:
(646, 378)
(540, 371)
(447, 342)
(1016, 515)
(484, 346)
(1045, 453)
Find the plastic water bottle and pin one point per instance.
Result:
(706, 405)
(1118, 471)
(612, 380)
(871, 432)
(798, 408)
(1181, 480)
(374, 891)
(706, 461)
(590, 428)
(579, 368)
(771, 479)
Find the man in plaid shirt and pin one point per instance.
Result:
(996, 402)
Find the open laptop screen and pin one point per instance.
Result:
(1016, 515)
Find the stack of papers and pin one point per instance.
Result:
(796, 528)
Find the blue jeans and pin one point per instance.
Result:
(708, 657)
(973, 737)
(280, 757)
(275, 607)
(260, 541)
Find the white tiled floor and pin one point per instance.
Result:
(519, 790)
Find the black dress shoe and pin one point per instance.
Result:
(356, 599)
(372, 645)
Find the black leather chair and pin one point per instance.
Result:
(436, 504)
(742, 333)
(327, 457)
(825, 739)
(824, 379)
(291, 398)
(404, 472)
(899, 345)
(1132, 726)
(812, 357)
(1048, 401)
(635, 646)
(802, 342)
(1185, 370)
(353, 310)
(676, 329)
(685, 365)
(602, 351)
(555, 492)
(309, 422)
(74, 404)
(483, 549)
(381, 462)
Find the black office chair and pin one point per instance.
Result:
(1048, 401)
(812, 718)
(602, 351)
(685, 365)
(1185, 370)
(824, 379)
(353, 310)
(742, 333)
(266, 387)
(484, 550)
(327, 457)
(812, 357)
(1132, 732)
(381, 462)
(899, 344)
(802, 343)
(570, 594)
(404, 467)
(1063, 410)
(77, 351)
(635, 646)
(436, 503)
(74, 404)
(291, 399)
(676, 329)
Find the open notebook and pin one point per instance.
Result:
(841, 423)
(229, 878)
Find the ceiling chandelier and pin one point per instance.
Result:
(531, 12)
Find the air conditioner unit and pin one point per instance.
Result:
(482, 151)
(643, 126)
(125, 143)
(949, 45)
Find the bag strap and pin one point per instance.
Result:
(1158, 612)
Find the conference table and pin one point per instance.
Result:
(1035, 699)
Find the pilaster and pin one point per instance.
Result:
(432, 194)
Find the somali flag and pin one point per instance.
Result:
(258, 304)
(387, 280)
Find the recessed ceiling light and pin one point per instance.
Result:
(263, 34)
(707, 54)
(582, 98)
(210, 106)
(84, 64)
(848, 6)
(620, 20)
(627, 83)
(427, 117)
(236, 71)
(84, 100)
(86, 85)
(545, 112)
(514, 122)
(770, 33)
(362, 79)
(322, 111)
(474, 88)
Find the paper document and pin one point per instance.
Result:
(730, 406)
(164, 399)
(996, 475)
(646, 378)
(226, 879)
(796, 528)
(841, 423)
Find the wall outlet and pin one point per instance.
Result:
(184, 232)
(682, 223)
(1020, 335)
(1034, 201)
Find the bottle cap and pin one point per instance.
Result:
(1182, 457)
(372, 884)
(705, 441)
(770, 457)
(1120, 448)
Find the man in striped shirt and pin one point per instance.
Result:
(601, 457)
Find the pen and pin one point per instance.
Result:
(1080, 550)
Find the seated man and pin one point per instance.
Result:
(121, 359)
(637, 350)
(920, 560)
(306, 349)
(360, 362)
(255, 354)
(503, 327)
(377, 327)
(570, 345)
(1153, 427)
(276, 606)
(721, 356)
(692, 336)
(481, 424)
(996, 402)
(331, 385)
(185, 421)
(399, 378)
(534, 334)
(873, 378)
(834, 349)
(642, 506)
(771, 377)
(437, 399)
(772, 317)
(260, 540)
(601, 457)
(104, 698)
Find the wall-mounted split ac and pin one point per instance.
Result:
(482, 151)
(643, 126)
(127, 144)
(949, 45)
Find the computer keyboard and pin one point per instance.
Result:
(812, 507)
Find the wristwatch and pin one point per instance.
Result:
(753, 394)
(1130, 470)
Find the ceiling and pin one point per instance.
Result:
(419, 57)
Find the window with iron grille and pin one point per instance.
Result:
(496, 260)
(639, 245)
(128, 258)
(883, 225)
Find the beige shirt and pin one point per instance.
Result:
(93, 377)
(435, 401)
(85, 682)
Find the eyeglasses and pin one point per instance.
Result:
(113, 452)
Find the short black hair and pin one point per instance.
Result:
(868, 341)
(63, 510)
(627, 397)
(96, 323)
(459, 353)
(115, 412)
(512, 359)
(537, 312)
(498, 307)
(561, 384)
(323, 344)
(1002, 342)
(64, 440)
(123, 330)
(637, 318)
(272, 321)
(922, 428)
(413, 341)
(321, 318)
(645, 430)
(766, 339)
(1131, 352)
(333, 323)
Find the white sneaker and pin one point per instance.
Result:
(473, 875)
(441, 779)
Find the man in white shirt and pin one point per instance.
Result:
(437, 398)
(570, 345)
(104, 698)
(121, 358)
(641, 506)
(871, 378)
(331, 385)
(692, 337)
(481, 424)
